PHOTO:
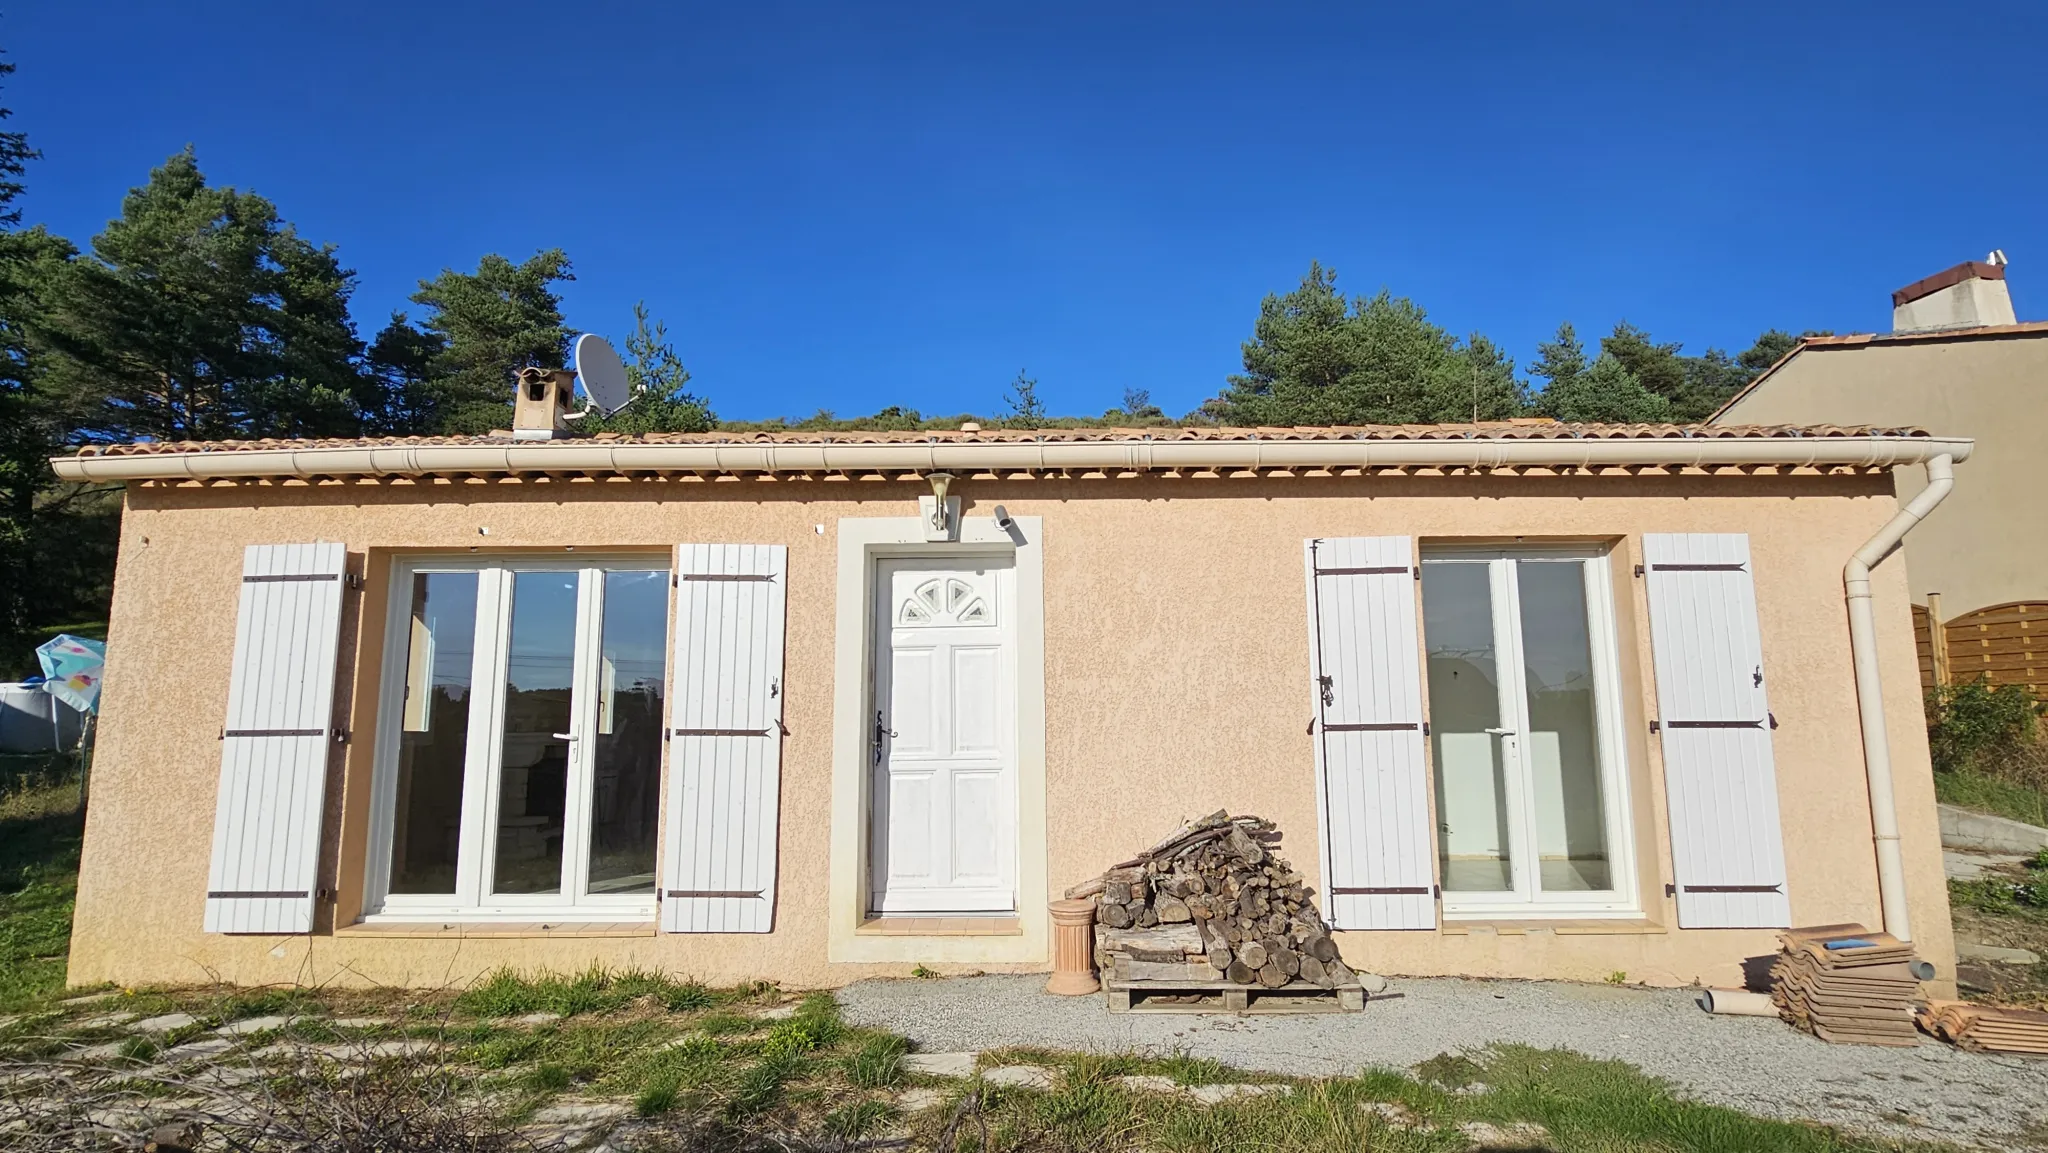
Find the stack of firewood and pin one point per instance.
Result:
(1215, 901)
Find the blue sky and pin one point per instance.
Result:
(852, 205)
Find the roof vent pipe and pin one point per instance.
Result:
(1877, 749)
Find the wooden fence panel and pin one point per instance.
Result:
(2006, 644)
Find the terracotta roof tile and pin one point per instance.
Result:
(1503, 430)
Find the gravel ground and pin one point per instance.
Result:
(1754, 1064)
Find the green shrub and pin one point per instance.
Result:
(878, 1063)
(1973, 725)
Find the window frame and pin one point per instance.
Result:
(484, 745)
(1624, 899)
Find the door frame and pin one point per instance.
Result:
(476, 849)
(862, 541)
(1618, 816)
(881, 598)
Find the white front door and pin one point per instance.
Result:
(944, 740)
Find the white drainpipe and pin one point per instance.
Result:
(1877, 748)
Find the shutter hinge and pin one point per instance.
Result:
(352, 581)
(1670, 890)
(1639, 570)
(1437, 891)
(340, 735)
(1655, 726)
(1418, 572)
(1425, 728)
(328, 895)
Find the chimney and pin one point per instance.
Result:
(1970, 295)
(540, 404)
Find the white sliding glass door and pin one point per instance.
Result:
(1531, 798)
(519, 772)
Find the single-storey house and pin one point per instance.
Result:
(1526, 699)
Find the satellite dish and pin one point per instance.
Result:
(601, 373)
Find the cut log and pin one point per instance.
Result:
(1324, 949)
(1240, 973)
(1340, 973)
(1147, 917)
(1253, 954)
(1288, 960)
(1164, 939)
(1171, 910)
(1116, 892)
(1115, 916)
(1129, 969)
(1219, 957)
(1312, 971)
(1088, 888)
(1271, 977)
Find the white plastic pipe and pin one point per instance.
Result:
(1737, 1003)
(967, 456)
(1877, 748)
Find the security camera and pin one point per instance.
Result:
(1003, 519)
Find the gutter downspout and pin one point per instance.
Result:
(1877, 749)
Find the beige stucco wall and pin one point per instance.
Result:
(1176, 674)
(1984, 545)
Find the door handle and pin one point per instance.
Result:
(563, 736)
(1501, 732)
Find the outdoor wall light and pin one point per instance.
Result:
(940, 481)
(941, 513)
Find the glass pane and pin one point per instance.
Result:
(1464, 701)
(533, 781)
(1564, 747)
(625, 795)
(440, 641)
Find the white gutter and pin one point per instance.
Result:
(1877, 749)
(967, 456)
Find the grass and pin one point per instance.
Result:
(41, 829)
(810, 1080)
(1986, 794)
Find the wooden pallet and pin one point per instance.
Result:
(1226, 997)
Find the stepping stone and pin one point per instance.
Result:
(1393, 1113)
(248, 1025)
(405, 1047)
(541, 1018)
(583, 1112)
(89, 998)
(1149, 1083)
(1217, 1094)
(105, 1021)
(360, 1022)
(778, 1013)
(1513, 1135)
(919, 1098)
(106, 1052)
(197, 1050)
(166, 1023)
(940, 1064)
(1372, 983)
(1020, 1076)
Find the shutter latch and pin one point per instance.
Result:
(340, 735)
(1655, 726)
(1329, 693)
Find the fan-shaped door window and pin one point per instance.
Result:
(944, 601)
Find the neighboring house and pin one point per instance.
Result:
(1527, 700)
(1956, 361)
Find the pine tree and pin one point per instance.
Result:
(659, 401)
(490, 324)
(1605, 393)
(1318, 358)
(201, 315)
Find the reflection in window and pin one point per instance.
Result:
(441, 642)
(626, 770)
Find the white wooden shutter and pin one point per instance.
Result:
(1721, 787)
(725, 751)
(274, 747)
(1379, 871)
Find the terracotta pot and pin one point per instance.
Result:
(1073, 948)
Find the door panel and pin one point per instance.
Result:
(944, 793)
